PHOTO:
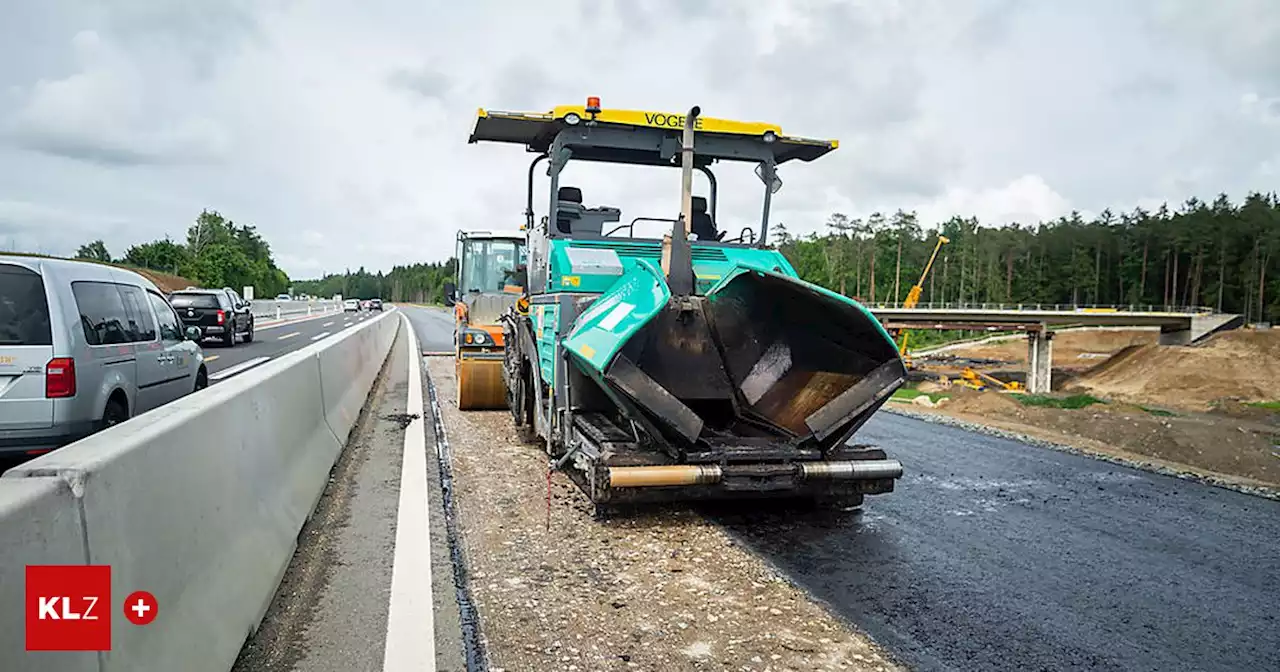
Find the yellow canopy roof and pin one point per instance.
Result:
(538, 130)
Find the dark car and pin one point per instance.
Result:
(219, 313)
(375, 304)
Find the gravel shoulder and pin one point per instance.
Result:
(659, 590)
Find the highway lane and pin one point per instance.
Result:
(434, 327)
(997, 555)
(272, 341)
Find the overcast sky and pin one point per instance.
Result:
(339, 128)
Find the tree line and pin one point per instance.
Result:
(1216, 255)
(216, 253)
(417, 283)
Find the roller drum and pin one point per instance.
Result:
(481, 385)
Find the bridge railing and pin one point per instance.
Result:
(1053, 307)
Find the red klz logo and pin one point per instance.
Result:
(68, 608)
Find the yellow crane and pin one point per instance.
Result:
(913, 296)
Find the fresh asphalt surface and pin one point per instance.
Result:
(271, 341)
(434, 327)
(997, 555)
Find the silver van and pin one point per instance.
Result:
(84, 346)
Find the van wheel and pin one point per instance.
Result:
(202, 380)
(230, 339)
(114, 414)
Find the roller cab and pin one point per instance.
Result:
(489, 282)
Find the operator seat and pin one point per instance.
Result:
(568, 208)
(702, 225)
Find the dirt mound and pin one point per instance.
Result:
(1241, 365)
(165, 281)
(964, 400)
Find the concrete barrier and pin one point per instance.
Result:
(200, 502)
(264, 309)
(39, 525)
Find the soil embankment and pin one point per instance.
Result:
(1235, 366)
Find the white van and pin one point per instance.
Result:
(84, 346)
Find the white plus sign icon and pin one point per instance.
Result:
(140, 607)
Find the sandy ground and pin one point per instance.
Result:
(666, 590)
(1239, 365)
(1240, 450)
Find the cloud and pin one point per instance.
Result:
(102, 114)
(1240, 36)
(34, 227)
(424, 81)
(339, 130)
(1025, 200)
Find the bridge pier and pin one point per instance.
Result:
(1174, 336)
(1040, 361)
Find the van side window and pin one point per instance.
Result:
(141, 326)
(170, 329)
(102, 313)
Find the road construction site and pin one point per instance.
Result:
(646, 453)
(991, 554)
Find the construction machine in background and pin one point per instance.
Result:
(913, 298)
(489, 281)
(656, 367)
(977, 380)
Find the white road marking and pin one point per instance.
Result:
(411, 638)
(319, 335)
(237, 368)
(281, 338)
(327, 324)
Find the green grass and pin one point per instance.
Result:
(1269, 405)
(1073, 402)
(908, 393)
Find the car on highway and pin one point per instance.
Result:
(350, 306)
(375, 304)
(84, 346)
(218, 312)
(283, 297)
